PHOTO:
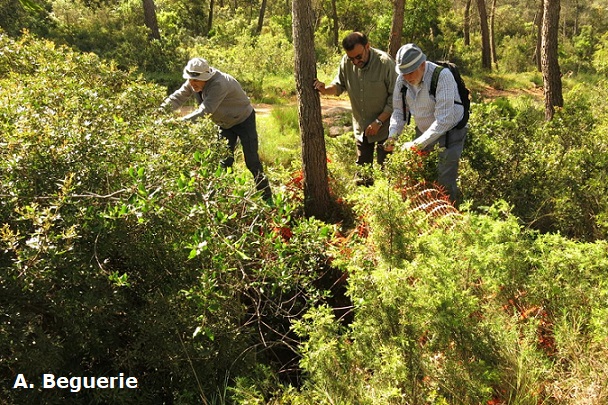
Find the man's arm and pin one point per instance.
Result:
(331, 90)
(178, 98)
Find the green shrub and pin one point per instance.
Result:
(470, 315)
(515, 54)
(126, 249)
(600, 56)
(553, 173)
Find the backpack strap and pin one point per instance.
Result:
(406, 115)
(434, 80)
(433, 92)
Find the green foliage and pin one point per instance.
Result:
(253, 59)
(469, 316)
(600, 56)
(515, 54)
(577, 53)
(30, 15)
(116, 33)
(553, 173)
(126, 249)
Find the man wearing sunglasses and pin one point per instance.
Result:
(368, 76)
(221, 97)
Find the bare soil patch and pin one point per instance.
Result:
(328, 105)
(490, 93)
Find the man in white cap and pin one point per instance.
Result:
(436, 117)
(221, 97)
(368, 76)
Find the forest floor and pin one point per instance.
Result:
(338, 105)
(336, 111)
(327, 104)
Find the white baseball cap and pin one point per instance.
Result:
(198, 69)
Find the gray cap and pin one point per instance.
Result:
(409, 58)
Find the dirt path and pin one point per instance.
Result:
(329, 105)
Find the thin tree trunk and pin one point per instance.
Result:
(467, 23)
(538, 22)
(394, 42)
(486, 56)
(577, 12)
(314, 157)
(550, 65)
(261, 17)
(210, 19)
(492, 36)
(150, 19)
(336, 25)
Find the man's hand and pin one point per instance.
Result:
(319, 86)
(372, 129)
(411, 146)
(389, 145)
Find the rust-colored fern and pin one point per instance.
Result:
(432, 200)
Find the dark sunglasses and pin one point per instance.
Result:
(193, 74)
(358, 57)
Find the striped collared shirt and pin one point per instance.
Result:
(433, 117)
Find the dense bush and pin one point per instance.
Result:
(553, 173)
(486, 312)
(117, 33)
(125, 249)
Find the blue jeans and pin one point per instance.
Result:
(247, 133)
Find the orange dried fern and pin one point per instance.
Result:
(433, 201)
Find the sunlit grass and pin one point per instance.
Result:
(279, 136)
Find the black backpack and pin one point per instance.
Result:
(463, 91)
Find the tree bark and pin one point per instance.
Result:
(492, 36)
(150, 19)
(538, 22)
(467, 23)
(261, 17)
(486, 56)
(317, 200)
(552, 80)
(394, 42)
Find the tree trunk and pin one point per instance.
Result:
(552, 80)
(394, 42)
(261, 17)
(467, 23)
(486, 56)
(314, 157)
(575, 23)
(210, 19)
(538, 22)
(150, 19)
(336, 24)
(492, 37)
